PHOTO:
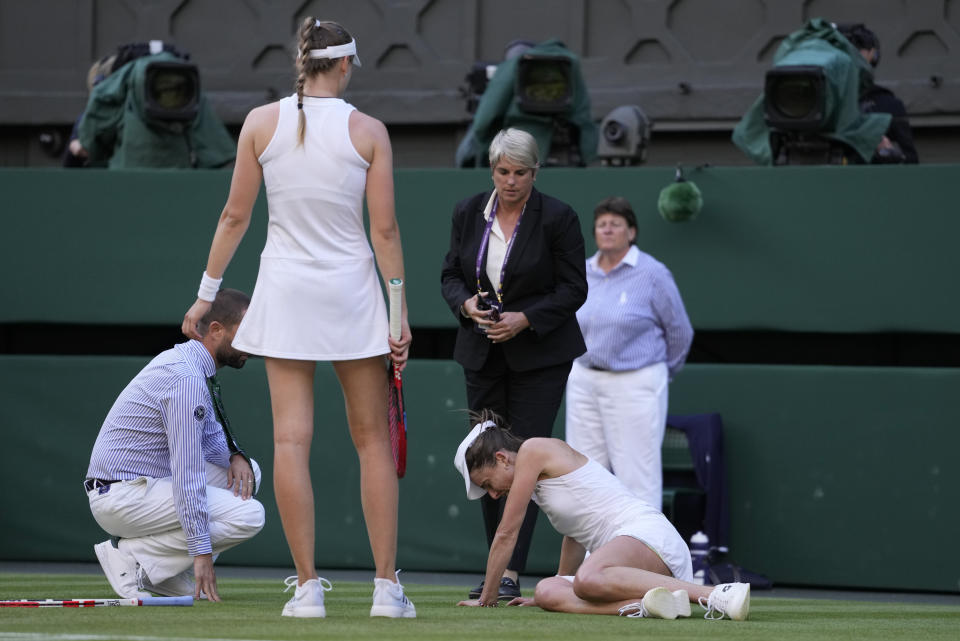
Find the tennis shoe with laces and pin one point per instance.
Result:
(307, 601)
(390, 601)
(659, 603)
(728, 599)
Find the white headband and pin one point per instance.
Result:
(474, 491)
(338, 51)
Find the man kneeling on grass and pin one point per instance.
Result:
(166, 478)
(638, 564)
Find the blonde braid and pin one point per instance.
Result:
(301, 118)
(314, 36)
(303, 51)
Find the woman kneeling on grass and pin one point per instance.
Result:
(638, 564)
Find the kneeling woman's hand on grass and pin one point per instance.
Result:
(520, 600)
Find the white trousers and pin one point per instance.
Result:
(141, 512)
(618, 419)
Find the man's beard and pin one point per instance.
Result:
(231, 357)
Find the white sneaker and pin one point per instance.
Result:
(121, 570)
(307, 601)
(659, 603)
(730, 599)
(390, 601)
(683, 602)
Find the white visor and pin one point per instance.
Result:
(338, 51)
(474, 491)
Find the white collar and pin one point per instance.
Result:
(489, 208)
(208, 366)
(630, 259)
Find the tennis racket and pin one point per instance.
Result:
(97, 603)
(396, 414)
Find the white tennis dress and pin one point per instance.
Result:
(592, 506)
(317, 295)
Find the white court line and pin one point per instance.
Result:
(41, 636)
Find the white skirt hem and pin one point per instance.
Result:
(269, 353)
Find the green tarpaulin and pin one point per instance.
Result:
(116, 132)
(498, 109)
(819, 44)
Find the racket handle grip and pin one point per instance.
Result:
(167, 600)
(396, 307)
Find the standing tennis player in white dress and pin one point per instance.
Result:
(317, 296)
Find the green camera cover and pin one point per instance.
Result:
(819, 44)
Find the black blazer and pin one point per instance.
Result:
(545, 279)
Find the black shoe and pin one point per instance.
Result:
(509, 589)
(475, 592)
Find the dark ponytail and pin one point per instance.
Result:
(499, 437)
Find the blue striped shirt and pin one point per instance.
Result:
(163, 424)
(634, 316)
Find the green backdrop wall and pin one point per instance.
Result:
(840, 249)
(839, 476)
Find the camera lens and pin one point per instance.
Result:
(613, 131)
(795, 97)
(172, 90)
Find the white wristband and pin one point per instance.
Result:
(208, 288)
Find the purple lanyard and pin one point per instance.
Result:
(481, 254)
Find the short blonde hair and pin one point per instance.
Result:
(517, 146)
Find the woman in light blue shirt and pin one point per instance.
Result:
(638, 335)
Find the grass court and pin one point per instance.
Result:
(251, 611)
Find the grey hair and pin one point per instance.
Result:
(517, 146)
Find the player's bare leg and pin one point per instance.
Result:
(627, 568)
(364, 384)
(556, 594)
(617, 574)
(291, 398)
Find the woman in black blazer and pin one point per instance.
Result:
(514, 278)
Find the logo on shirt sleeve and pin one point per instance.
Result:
(199, 413)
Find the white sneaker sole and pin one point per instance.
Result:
(306, 612)
(741, 613)
(683, 603)
(661, 603)
(393, 612)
